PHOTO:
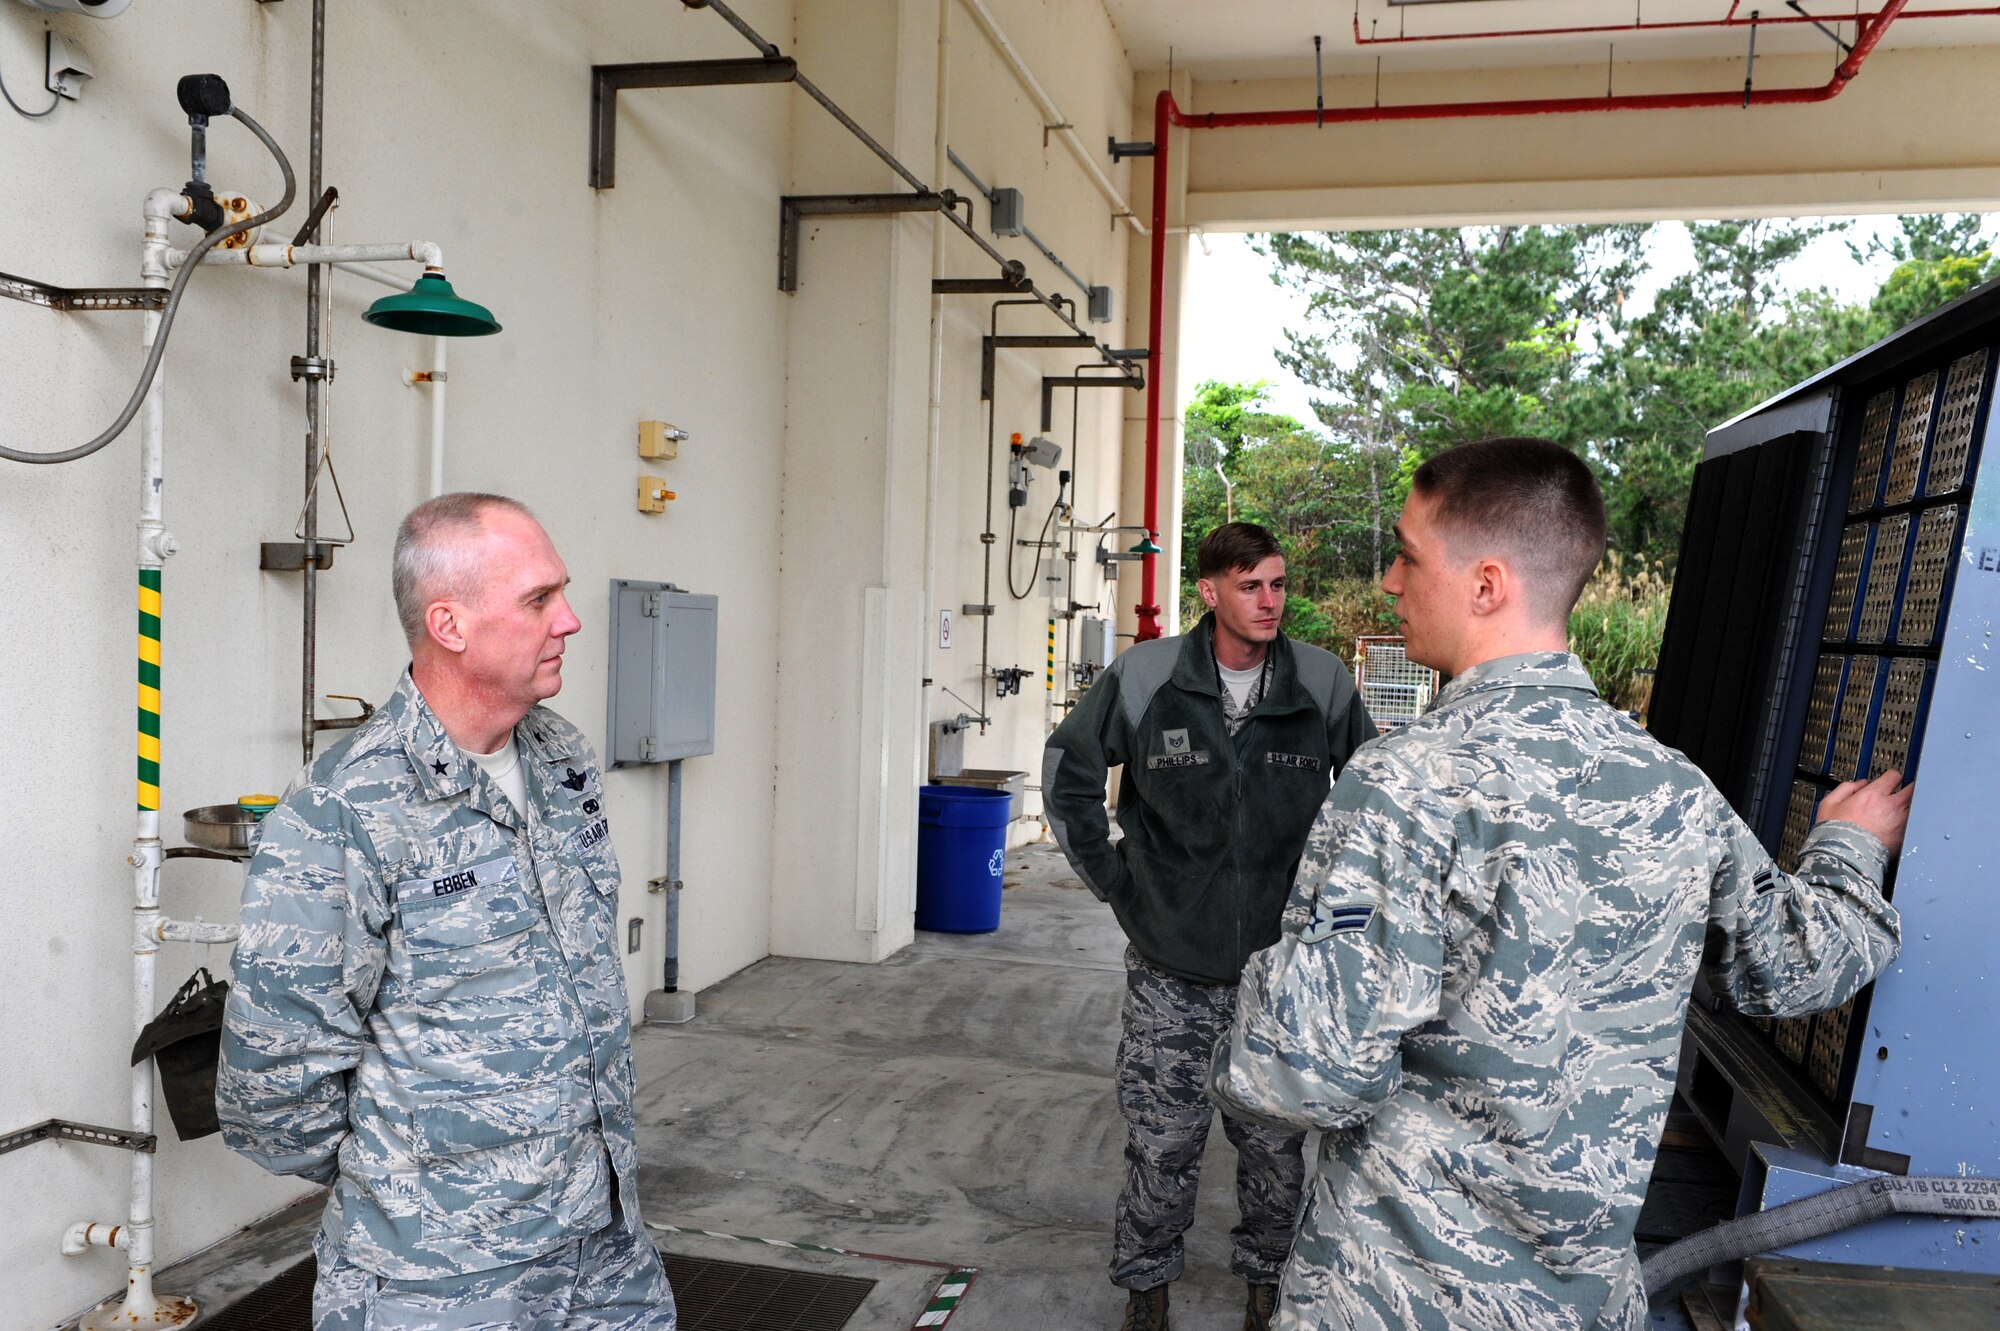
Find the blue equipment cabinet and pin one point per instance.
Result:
(1833, 616)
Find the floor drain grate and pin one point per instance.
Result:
(282, 1303)
(735, 1296)
(712, 1296)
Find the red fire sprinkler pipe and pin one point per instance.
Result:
(1167, 113)
(1733, 19)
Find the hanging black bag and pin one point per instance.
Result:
(185, 1041)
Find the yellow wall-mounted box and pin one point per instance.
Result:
(660, 440)
(653, 494)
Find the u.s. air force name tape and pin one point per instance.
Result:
(451, 882)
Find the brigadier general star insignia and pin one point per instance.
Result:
(440, 768)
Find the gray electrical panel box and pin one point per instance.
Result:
(662, 673)
(1009, 209)
(1099, 643)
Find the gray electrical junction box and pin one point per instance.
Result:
(1010, 212)
(662, 673)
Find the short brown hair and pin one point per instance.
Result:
(1530, 499)
(1233, 547)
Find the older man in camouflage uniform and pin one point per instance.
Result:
(429, 1011)
(1490, 945)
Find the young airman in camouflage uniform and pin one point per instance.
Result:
(429, 1009)
(1229, 737)
(1488, 952)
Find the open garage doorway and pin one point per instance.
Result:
(1319, 368)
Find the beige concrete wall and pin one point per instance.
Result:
(861, 672)
(997, 129)
(464, 124)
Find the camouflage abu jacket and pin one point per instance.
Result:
(428, 1008)
(1479, 994)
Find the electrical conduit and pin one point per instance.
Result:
(1167, 114)
(1053, 120)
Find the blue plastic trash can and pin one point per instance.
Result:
(961, 856)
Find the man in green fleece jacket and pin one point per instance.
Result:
(1229, 737)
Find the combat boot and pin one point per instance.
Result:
(1263, 1302)
(1145, 1310)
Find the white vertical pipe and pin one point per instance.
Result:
(934, 427)
(438, 372)
(438, 345)
(141, 1306)
(1052, 119)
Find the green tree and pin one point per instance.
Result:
(1727, 335)
(1439, 337)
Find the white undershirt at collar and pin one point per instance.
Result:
(503, 768)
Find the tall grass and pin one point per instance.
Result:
(1616, 629)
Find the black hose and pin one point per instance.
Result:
(1041, 545)
(1823, 1213)
(167, 312)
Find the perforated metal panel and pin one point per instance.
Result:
(1819, 714)
(1793, 1036)
(1958, 422)
(1885, 572)
(1907, 458)
(1829, 1047)
(1884, 663)
(1846, 583)
(1937, 533)
(1896, 722)
(1874, 442)
(1798, 821)
(1852, 726)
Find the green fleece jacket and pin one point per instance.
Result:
(1213, 825)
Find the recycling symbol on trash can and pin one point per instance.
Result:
(997, 863)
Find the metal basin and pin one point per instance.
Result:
(987, 778)
(223, 827)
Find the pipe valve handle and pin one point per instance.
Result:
(203, 95)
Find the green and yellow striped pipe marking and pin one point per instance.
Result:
(1050, 679)
(149, 690)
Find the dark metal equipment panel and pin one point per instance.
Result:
(1834, 616)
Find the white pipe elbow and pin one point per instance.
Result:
(84, 1235)
(166, 203)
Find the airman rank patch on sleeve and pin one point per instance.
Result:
(1329, 919)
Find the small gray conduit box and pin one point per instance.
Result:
(1009, 212)
(662, 673)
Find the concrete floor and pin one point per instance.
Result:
(950, 1107)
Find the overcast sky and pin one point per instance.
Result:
(1235, 314)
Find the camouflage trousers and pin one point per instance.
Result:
(1170, 1030)
(612, 1280)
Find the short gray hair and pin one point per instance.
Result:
(428, 563)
